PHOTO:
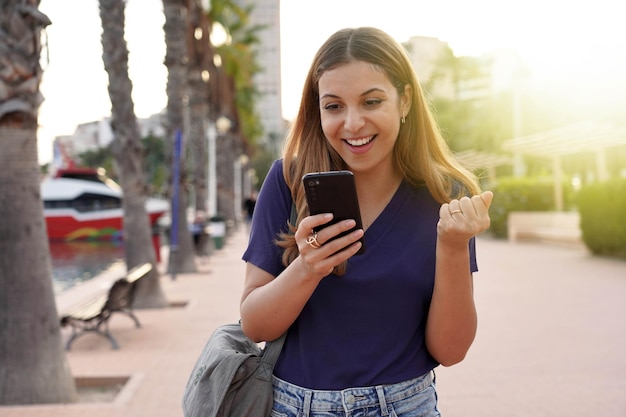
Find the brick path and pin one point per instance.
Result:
(551, 336)
(551, 339)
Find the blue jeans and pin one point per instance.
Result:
(413, 398)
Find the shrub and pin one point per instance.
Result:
(602, 209)
(522, 194)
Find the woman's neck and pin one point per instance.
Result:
(375, 191)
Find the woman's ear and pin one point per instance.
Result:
(405, 100)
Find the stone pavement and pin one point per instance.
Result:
(551, 336)
(550, 342)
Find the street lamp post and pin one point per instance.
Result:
(221, 126)
(238, 164)
(211, 181)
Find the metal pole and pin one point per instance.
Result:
(175, 209)
(212, 181)
(237, 191)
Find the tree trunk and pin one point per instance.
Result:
(182, 256)
(200, 60)
(33, 365)
(128, 155)
(225, 157)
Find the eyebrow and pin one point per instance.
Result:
(371, 90)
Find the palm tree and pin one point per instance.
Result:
(201, 54)
(128, 154)
(182, 257)
(33, 366)
(213, 90)
(238, 96)
(233, 94)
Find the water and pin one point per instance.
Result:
(75, 262)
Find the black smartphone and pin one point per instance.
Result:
(334, 192)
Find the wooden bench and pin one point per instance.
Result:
(554, 226)
(93, 315)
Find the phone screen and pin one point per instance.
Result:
(334, 192)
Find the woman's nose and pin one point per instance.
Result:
(354, 120)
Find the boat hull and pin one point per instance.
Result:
(77, 209)
(70, 225)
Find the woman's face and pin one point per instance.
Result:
(360, 114)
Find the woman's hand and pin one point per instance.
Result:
(269, 305)
(452, 322)
(319, 254)
(460, 220)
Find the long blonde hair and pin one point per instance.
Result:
(421, 154)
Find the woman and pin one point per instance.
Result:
(364, 332)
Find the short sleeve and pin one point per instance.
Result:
(270, 218)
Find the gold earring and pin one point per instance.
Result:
(403, 120)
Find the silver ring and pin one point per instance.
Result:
(311, 240)
(456, 211)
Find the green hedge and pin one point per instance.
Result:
(522, 194)
(602, 209)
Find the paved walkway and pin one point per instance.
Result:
(551, 339)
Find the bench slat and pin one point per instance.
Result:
(91, 310)
(119, 298)
(138, 272)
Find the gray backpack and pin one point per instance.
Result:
(232, 377)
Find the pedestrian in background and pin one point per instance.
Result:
(248, 207)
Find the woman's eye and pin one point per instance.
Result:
(332, 107)
(373, 102)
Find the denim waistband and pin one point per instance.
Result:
(351, 398)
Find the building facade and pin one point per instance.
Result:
(266, 14)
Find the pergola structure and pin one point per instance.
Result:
(472, 160)
(590, 136)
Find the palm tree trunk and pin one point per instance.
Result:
(200, 59)
(33, 366)
(182, 259)
(128, 154)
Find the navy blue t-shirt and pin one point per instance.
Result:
(366, 327)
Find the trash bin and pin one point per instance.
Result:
(217, 231)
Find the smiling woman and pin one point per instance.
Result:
(363, 111)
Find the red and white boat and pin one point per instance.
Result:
(81, 203)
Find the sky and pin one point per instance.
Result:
(576, 45)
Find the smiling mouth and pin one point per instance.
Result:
(360, 142)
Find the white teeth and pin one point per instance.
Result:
(360, 142)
